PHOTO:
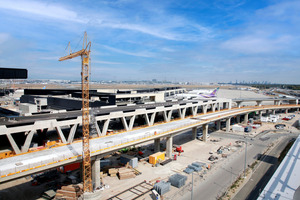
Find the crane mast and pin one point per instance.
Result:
(85, 59)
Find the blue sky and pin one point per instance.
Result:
(179, 40)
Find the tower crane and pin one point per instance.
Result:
(85, 59)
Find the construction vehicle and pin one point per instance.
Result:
(84, 53)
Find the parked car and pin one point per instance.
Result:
(280, 126)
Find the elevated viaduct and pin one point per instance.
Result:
(29, 163)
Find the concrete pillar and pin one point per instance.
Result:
(239, 103)
(297, 109)
(238, 119)
(230, 104)
(228, 124)
(96, 173)
(286, 111)
(273, 112)
(204, 132)
(218, 125)
(219, 107)
(204, 108)
(157, 145)
(246, 118)
(169, 146)
(194, 133)
(213, 107)
(258, 103)
(260, 114)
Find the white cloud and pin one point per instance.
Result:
(138, 54)
(105, 62)
(114, 18)
(4, 37)
(256, 44)
(42, 9)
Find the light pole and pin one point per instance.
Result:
(245, 157)
(192, 185)
(231, 174)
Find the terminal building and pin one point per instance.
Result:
(39, 100)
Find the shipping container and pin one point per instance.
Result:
(71, 167)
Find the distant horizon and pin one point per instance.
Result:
(157, 81)
(195, 41)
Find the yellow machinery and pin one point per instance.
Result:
(85, 57)
(155, 157)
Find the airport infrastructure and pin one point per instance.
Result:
(284, 184)
(39, 99)
(27, 163)
(140, 123)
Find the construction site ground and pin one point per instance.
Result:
(194, 150)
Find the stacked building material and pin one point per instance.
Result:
(195, 168)
(162, 187)
(133, 161)
(125, 173)
(177, 180)
(198, 164)
(188, 170)
(113, 172)
(102, 175)
(166, 162)
(70, 192)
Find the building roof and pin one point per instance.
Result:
(285, 182)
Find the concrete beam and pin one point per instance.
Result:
(157, 145)
(152, 118)
(204, 132)
(147, 119)
(61, 134)
(27, 141)
(169, 146)
(131, 122)
(13, 143)
(105, 127)
(72, 133)
(124, 122)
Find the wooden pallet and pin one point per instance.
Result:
(133, 192)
